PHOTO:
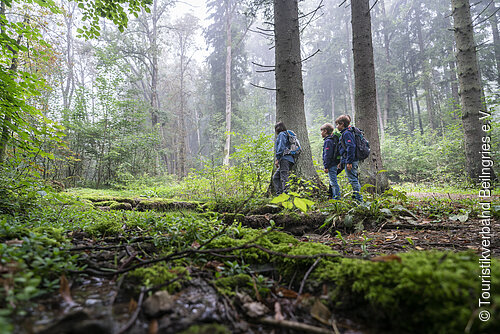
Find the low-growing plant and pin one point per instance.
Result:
(291, 200)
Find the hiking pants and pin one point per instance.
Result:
(352, 176)
(280, 177)
(332, 174)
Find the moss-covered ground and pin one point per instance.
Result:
(392, 265)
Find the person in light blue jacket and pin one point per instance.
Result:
(284, 162)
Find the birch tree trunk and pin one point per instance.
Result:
(469, 81)
(365, 92)
(289, 86)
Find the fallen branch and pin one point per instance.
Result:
(307, 275)
(132, 320)
(293, 325)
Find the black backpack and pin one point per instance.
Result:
(362, 145)
(336, 139)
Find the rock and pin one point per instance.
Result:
(160, 302)
(252, 308)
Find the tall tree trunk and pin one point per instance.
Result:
(473, 108)
(332, 95)
(349, 71)
(289, 87)
(181, 166)
(380, 122)
(452, 68)
(411, 112)
(7, 119)
(154, 67)
(496, 36)
(417, 103)
(69, 81)
(426, 67)
(388, 87)
(229, 47)
(365, 91)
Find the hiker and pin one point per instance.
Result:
(347, 150)
(284, 157)
(331, 157)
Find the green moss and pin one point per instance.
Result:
(166, 205)
(207, 329)
(440, 290)
(160, 274)
(228, 285)
(120, 206)
(106, 226)
(277, 241)
(105, 203)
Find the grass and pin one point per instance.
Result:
(437, 188)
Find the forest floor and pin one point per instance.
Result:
(102, 297)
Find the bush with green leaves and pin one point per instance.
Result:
(248, 176)
(31, 261)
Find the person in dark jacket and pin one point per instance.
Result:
(284, 162)
(348, 153)
(330, 157)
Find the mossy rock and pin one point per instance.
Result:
(105, 203)
(97, 199)
(159, 274)
(228, 285)
(105, 227)
(427, 292)
(207, 329)
(120, 206)
(166, 205)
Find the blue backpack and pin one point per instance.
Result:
(293, 146)
(362, 144)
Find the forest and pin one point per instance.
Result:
(138, 148)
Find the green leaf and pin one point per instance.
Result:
(300, 204)
(287, 205)
(281, 198)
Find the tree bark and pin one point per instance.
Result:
(365, 92)
(227, 146)
(289, 86)
(388, 87)
(69, 81)
(473, 107)
(426, 68)
(496, 36)
(349, 72)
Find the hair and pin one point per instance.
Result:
(344, 119)
(328, 127)
(279, 127)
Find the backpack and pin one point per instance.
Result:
(293, 145)
(362, 145)
(336, 155)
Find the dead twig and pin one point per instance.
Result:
(132, 320)
(293, 325)
(307, 275)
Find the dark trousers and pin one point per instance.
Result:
(280, 177)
